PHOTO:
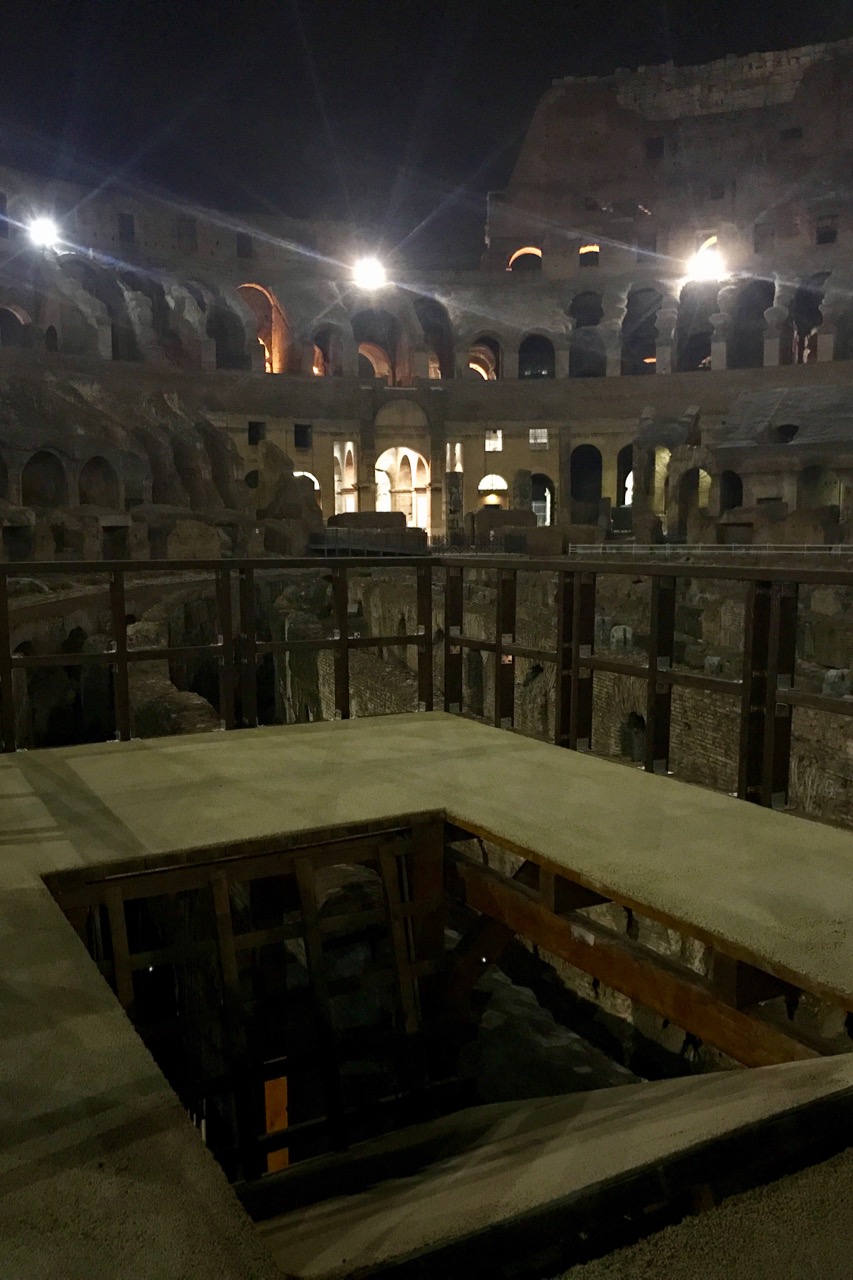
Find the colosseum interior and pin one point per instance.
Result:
(426, 699)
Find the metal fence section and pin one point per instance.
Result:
(765, 687)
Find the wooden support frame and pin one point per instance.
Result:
(654, 982)
(582, 648)
(504, 710)
(340, 611)
(453, 682)
(248, 650)
(658, 693)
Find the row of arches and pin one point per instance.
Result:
(45, 483)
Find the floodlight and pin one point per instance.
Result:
(44, 233)
(707, 264)
(369, 273)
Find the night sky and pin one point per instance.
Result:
(389, 112)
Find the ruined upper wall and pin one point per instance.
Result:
(668, 92)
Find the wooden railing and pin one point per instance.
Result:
(766, 687)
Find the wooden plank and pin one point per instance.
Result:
(403, 960)
(582, 645)
(659, 693)
(425, 642)
(7, 697)
(657, 985)
(122, 970)
(118, 609)
(248, 652)
(453, 606)
(504, 709)
(226, 652)
(340, 610)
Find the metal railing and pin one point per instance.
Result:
(765, 688)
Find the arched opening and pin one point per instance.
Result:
(745, 346)
(328, 352)
(493, 491)
(818, 487)
(625, 476)
(639, 334)
(43, 482)
(536, 357)
(15, 327)
(377, 335)
(800, 335)
(337, 472)
(585, 473)
(542, 498)
(484, 359)
(632, 737)
(402, 484)
(106, 287)
(99, 485)
(272, 327)
(226, 330)
(528, 258)
(782, 434)
(694, 491)
(438, 333)
(698, 302)
(587, 353)
(731, 491)
(51, 340)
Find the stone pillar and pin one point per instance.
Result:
(611, 332)
(665, 344)
(460, 361)
(561, 362)
(776, 316)
(453, 502)
(509, 353)
(366, 458)
(420, 362)
(826, 341)
(719, 340)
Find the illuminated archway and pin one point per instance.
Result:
(346, 488)
(272, 328)
(402, 484)
(527, 258)
(484, 358)
(308, 475)
(493, 491)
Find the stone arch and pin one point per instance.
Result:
(536, 357)
(527, 258)
(402, 484)
(543, 498)
(438, 334)
(585, 467)
(345, 478)
(799, 339)
(378, 336)
(818, 486)
(99, 486)
(225, 327)
(15, 327)
(745, 345)
(493, 491)
(731, 491)
(51, 340)
(587, 352)
(639, 332)
(657, 480)
(43, 481)
(105, 288)
(273, 329)
(329, 347)
(485, 358)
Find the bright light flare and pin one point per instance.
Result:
(369, 273)
(707, 264)
(44, 233)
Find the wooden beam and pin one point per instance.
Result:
(653, 982)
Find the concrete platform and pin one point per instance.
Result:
(100, 1173)
(517, 1160)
